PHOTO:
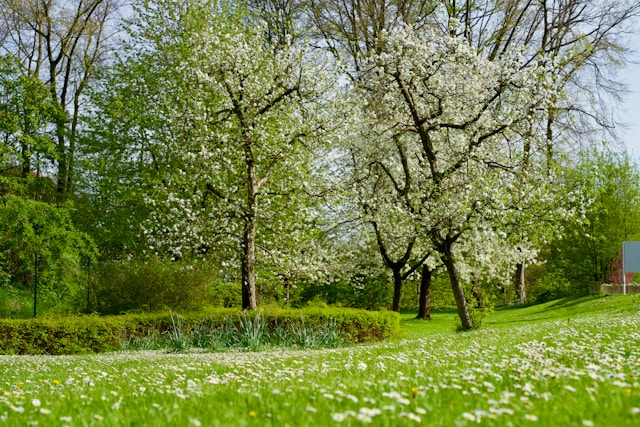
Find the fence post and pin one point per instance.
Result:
(88, 285)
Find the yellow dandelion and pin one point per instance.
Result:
(415, 390)
(56, 382)
(253, 414)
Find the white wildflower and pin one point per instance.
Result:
(338, 417)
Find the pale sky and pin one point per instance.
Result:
(629, 112)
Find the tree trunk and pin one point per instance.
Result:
(248, 267)
(72, 154)
(456, 286)
(522, 289)
(287, 291)
(424, 298)
(395, 266)
(63, 170)
(249, 300)
(397, 289)
(26, 160)
(476, 290)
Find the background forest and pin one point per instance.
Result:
(396, 154)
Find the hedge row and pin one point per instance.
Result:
(96, 334)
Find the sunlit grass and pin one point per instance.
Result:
(572, 362)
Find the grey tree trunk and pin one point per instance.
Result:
(456, 286)
(249, 300)
(478, 294)
(521, 285)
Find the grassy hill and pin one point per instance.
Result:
(572, 362)
(508, 316)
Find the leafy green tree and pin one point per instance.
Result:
(123, 155)
(60, 43)
(30, 228)
(609, 183)
(31, 224)
(26, 116)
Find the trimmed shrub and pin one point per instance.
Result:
(67, 335)
(214, 330)
(358, 325)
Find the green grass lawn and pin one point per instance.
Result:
(572, 362)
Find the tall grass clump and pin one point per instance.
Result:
(244, 331)
(252, 331)
(178, 338)
(326, 335)
(151, 341)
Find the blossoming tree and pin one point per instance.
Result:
(465, 121)
(236, 128)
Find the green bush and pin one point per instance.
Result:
(359, 291)
(358, 325)
(551, 285)
(151, 285)
(15, 302)
(441, 294)
(214, 330)
(224, 294)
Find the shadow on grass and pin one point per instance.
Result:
(572, 301)
(549, 305)
(565, 309)
(442, 321)
(440, 310)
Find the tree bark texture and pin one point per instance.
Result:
(476, 290)
(424, 298)
(397, 289)
(249, 300)
(521, 285)
(456, 286)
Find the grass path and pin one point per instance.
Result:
(573, 362)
